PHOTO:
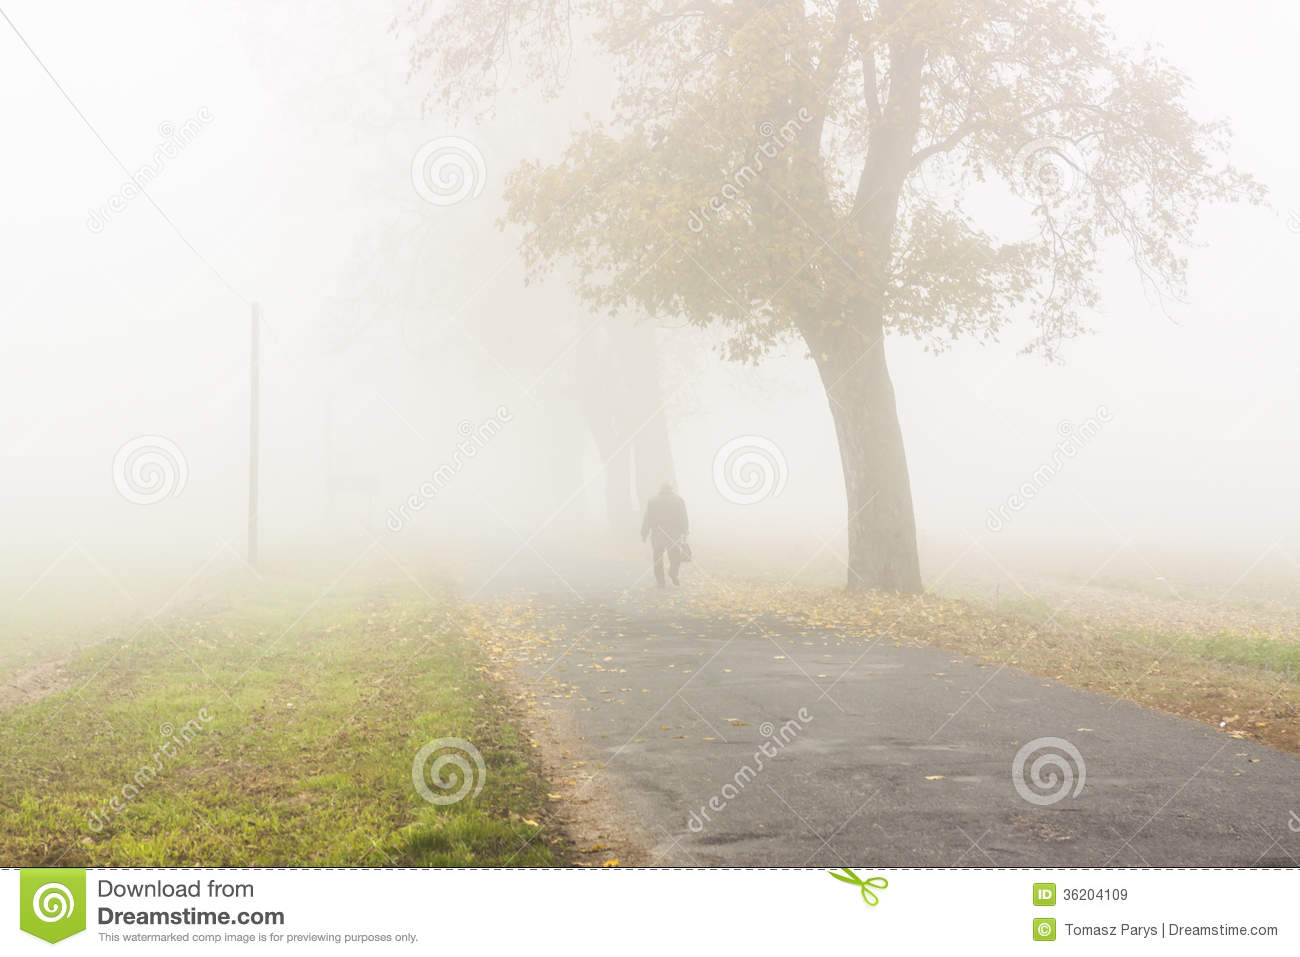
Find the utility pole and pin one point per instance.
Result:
(253, 416)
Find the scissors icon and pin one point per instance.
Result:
(868, 894)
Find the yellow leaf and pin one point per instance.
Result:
(612, 862)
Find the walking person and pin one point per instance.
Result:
(666, 525)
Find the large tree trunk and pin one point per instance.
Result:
(850, 353)
(881, 522)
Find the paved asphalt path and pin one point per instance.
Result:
(905, 757)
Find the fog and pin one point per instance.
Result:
(403, 357)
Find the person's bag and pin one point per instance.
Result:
(684, 550)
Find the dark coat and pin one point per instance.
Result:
(665, 517)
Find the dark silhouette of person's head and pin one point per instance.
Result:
(666, 490)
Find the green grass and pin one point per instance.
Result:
(1263, 653)
(307, 718)
(1267, 654)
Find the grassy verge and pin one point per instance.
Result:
(1262, 654)
(271, 731)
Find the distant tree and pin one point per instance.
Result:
(618, 381)
(772, 165)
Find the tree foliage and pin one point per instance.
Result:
(803, 166)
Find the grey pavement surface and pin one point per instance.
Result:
(903, 756)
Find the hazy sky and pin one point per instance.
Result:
(298, 180)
